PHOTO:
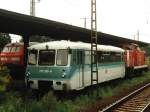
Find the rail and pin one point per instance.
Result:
(118, 102)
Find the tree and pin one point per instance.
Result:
(38, 38)
(147, 49)
(4, 39)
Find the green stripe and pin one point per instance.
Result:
(57, 72)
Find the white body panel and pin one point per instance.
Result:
(104, 74)
(142, 66)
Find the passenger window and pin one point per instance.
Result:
(118, 57)
(104, 57)
(87, 57)
(115, 56)
(62, 57)
(99, 56)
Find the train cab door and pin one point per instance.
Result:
(80, 56)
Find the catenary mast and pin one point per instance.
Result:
(32, 7)
(94, 61)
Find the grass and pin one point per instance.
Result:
(14, 102)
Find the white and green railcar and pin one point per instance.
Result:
(66, 65)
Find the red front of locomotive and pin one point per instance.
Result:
(141, 58)
(135, 60)
(129, 58)
(12, 53)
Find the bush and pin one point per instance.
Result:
(14, 102)
(49, 102)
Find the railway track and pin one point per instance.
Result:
(136, 101)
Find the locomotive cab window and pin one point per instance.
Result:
(6, 49)
(18, 48)
(32, 57)
(15, 49)
(46, 57)
(62, 57)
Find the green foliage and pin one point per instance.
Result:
(15, 103)
(106, 92)
(12, 103)
(48, 102)
(147, 49)
(66, 106)
(3, 70)
(34, 107)
(4, 39)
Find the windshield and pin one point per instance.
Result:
(32, 57)
(15, 49)
(6, 49)
(47, 57)
(62, 57)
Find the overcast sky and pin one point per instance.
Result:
(117, 17)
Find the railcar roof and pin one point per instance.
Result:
(63, 44)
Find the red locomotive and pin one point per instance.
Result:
(12, 56)
(13, 53)
(135, 59)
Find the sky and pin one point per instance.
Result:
(117, 17)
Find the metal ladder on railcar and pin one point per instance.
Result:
(94, 63)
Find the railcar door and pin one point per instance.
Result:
(80, 56)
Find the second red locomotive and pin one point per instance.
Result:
(135, 59)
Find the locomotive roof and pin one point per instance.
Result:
(63, 44)
(15, 44)
(20, 44)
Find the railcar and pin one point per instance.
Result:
(66, 65)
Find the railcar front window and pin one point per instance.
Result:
(32, 57)
(62, 57)
(47, 57)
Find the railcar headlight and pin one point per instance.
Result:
(63, 75)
